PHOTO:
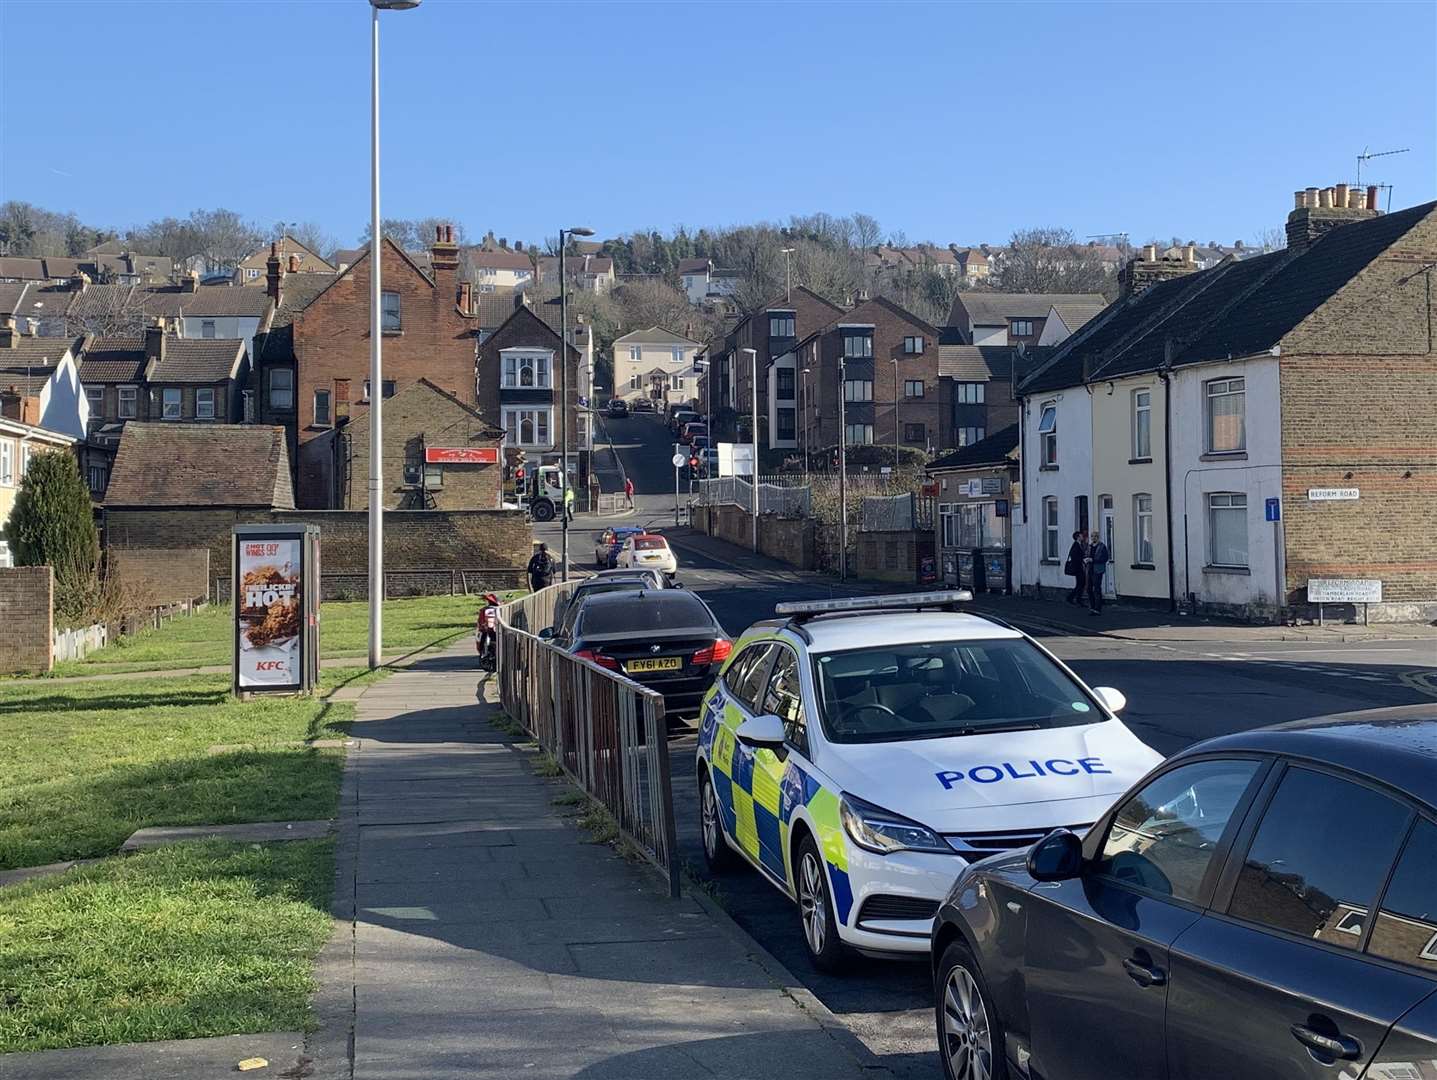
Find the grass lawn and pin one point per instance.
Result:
(207, 637)
(180, 942)
(83, 765)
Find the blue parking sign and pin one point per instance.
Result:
(1274, 509)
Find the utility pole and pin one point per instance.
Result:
(564, 403)
(895, 416)
(753, 432)
(787, 275)
(842, 470)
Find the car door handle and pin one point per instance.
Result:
(1145, 974)
(1338, 1046)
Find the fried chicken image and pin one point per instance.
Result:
(281, 620)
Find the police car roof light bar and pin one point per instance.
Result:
(798, 610)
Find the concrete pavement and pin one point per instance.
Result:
(481, 935)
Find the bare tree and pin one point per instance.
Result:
(866, 232)
(106, 311)
(1270, 239)
(315, 237)
(1051, 260)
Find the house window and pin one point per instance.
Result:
(129, 400)
(948, 524)
(787, 426)
(913, 346)
(27, 452)
(967, 436)
(858, 390)
(205, 403)
(678, 356)
(860, 434)
(1050, 528)
(1142, 424)
(207, 328)
(95, 395)
(858, 346)
(1080, 513)
(785, 383)
(1143, 529)
(1021, 328)
(321, 408)
(526, 372)
(434, 477)
(527, 427)
(7, 462)
(915, 433)
(635, 352)
(98, 476)
(633, 382)
(390, 321)
(170, 403)
(250, 275)
(389, 389)
(913, 388)
(678, 382)
(1227, 528)
(1226, 415)
(970, 393)
(281, 388)
(781, 324)
(1048, 435)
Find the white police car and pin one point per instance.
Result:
(859, 752)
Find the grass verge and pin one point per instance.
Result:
(181, 942)
(86, 764)
(206, 637)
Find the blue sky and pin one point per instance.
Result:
(951, 122)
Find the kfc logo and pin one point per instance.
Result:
(269, 665)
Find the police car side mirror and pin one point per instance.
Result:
(1113, 699)
(761, 732)
(1056, 857)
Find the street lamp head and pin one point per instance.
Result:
(786, 251)
(754, 351)
(394, 5)
(580, 231)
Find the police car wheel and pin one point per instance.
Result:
(970, 1036)
(815, 909)
(717, 854)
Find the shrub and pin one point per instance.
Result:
(53, 525)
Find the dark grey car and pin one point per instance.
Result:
(1217, 922)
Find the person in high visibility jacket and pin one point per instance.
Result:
(569, 501)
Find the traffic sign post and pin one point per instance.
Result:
(678, 460)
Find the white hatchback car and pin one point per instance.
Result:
(860, 752)
(648, 551)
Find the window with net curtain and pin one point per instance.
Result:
(1227, 528)
(1226, 415)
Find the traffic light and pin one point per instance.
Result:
(693, 463)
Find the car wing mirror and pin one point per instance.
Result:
(546, 634)
(761, 732)
(1056, 857)
(1114, 700)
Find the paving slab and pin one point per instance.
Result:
(28, 873)
(481, 933)
(260, 832)
(182, 1059)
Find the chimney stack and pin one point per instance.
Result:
(1190, 253)
(1317, 211)
(8, 333)
(273, 273)
(190, 282)
(466, 297)
(15, 404)
(155, 340)
(444, 255)
(294, 264)
(1147, 269)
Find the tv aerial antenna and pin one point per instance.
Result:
(1366, 155)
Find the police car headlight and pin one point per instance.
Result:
(875, 829)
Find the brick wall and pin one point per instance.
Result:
(331, 342)
(155, 576)
(26, 619)
(526, 330)
(789, 540)
(810, 312)
(1358, 410)
(414, 540)
(888, 556)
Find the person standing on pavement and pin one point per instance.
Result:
(629, 492)
(1076, 566)
(541, 569)
(1098, 556)
(569, 502)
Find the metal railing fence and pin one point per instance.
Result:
(785, 500)
(608, 733)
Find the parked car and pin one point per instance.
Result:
(600, 585)
(1259, 905)
(608, 543)
(656, 578)
(643, 404)
(679, 419)
(664, 638)
(859, 751)
(650, 551)
(692, 429)
(618, 408)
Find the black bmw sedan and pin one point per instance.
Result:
(1260, 905)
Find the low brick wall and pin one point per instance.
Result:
(789, 540)
(27, 622)
(415, 541)
(888, 556)
(153, 577)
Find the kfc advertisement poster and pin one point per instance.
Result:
(268, 604)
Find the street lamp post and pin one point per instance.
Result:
(753, 435)
(376, 364)
(842, 470)
(787, 274)
(803, 410)
(564, 402)
(895, 416)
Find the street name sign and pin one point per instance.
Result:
(1331, 494)
(1343, 591)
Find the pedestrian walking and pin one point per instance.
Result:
(569, 502)
(541, 569)
(1076, 566)
(629, 492)
(1098, 557)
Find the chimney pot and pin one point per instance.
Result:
(1150, 253)
(1340, 196)
(1372, 196)
(1311, 197)
(294, 264)
(1299, 199)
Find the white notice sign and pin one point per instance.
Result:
(1343, 591)
(1330, 494)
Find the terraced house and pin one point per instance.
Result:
(1254, 437)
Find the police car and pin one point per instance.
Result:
(859, 752)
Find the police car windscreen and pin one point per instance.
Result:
(933, 690)
(668, 610)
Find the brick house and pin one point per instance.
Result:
(427, 334)
(972, 533)
(517, 385)
(440, 454)
(160, 377)
(993, 318)
(890, 377)
(1202, 405)
(297, 258)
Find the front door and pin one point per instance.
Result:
(1105, 523)
(1098, 946)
